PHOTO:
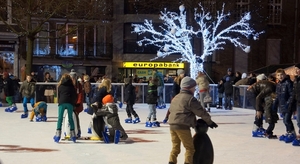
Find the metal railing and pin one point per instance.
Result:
(239, 97)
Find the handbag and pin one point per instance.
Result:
(207, 99)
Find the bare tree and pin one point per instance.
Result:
(19, 16)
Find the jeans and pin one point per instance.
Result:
(152, 112)
(160, 100)
(228, 98)
(25, 101)
(287, 120)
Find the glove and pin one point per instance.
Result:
(165, 120)
(213, 125)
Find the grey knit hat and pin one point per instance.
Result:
(261, 77)
(187, 83)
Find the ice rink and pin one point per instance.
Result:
(22, 141)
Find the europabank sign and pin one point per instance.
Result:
(7, 45)
(169, 65)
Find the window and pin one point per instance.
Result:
(242, 7)
(210, 6)
(67, 42)
(6, 11)
(274, 10)
(41, 43)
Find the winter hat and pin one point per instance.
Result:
(107, 99)
(180, 71)
(244, 75)
(187, 83)
(229, 70)
(297, 65)
(72, 73)
(261, 77)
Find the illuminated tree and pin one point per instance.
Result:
(175, 36)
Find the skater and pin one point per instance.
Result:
(261, 95)
(283, 101)
(229, 81)
(296, 101)
(183, 111)
(175, 89)
(77, 82)
(109, 111)
(129, 99)
(87, 87)
(203, 86)
(152, 101)
(40, 111)
(67, 97)
(96, 126)
(220, 93)
(9, 91)
(28, 92)
(158, 78)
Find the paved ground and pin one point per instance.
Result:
(25, 142)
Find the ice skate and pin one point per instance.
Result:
(25, 115)
(259, 132)
(44, 118)
(72, 135)
(120, 104)
(165, 120)
(148, 124)
(156, 124)
(282, 137)
(79, 133)
(105, 137)
(128, 120)
(57, 136)
(13, 108)
(117, 136)
(136, 120)
(7, 109)
(1, 104)
(38, 119)
(296, 142)
(290, 138)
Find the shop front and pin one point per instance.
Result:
(144, 69)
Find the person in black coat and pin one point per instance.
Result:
(67, 97)
(220, 93)
(8, 86)
(229, 81)
(152, 101)
(129, 99)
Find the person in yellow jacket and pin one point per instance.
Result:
(40, 111)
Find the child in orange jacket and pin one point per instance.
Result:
(40, 111)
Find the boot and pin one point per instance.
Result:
(57, 136)
(72, 135)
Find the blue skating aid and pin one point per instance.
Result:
(136, 120)
(89, 131)
(128, 120)
(13, 108)
(296, 142)
(156, 124)
(25, 115)
(117, 136)
(148, 124)
(105, 137)
(106, 129)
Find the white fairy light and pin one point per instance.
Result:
(179, 37)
